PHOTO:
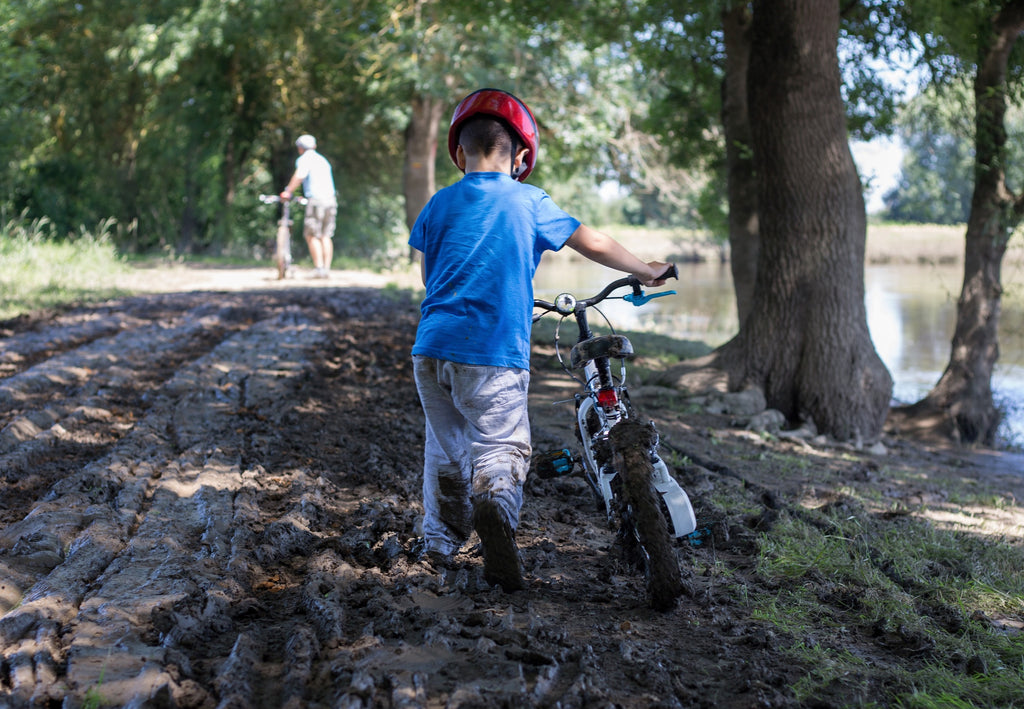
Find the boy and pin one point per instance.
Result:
(481, 240)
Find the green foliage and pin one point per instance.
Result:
(874, 43)
(937, 175)
(159, 113)
(171, 116)
(949, 33)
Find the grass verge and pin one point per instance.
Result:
(883, 603)
(41, 271)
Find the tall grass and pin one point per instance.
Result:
(39, 269)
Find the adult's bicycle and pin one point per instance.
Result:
(283, 238)
(620, 461)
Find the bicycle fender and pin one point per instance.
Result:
(680, 510)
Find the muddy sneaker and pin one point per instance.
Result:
(433, 559)
(501, 555)
(437, 560)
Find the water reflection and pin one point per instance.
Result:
(911, 313)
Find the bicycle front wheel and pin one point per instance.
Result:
(632, 446)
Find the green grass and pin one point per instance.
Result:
(42, 271)
(892, 608)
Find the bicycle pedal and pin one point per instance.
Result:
(553, 464)
(698, 536)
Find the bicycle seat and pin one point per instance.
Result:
(617, 346)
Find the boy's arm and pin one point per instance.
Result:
(605, 250)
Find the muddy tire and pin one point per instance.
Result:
(283, 257)
(283, 250)
(643, 516)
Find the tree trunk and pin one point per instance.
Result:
(744, 239)
(805, 341)
(420, 153)
(961, 404)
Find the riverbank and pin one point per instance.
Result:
(91, 278)
(886, 244)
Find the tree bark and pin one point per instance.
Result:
(961, 404)
(418, 177)
(805, 342)
(744, 237)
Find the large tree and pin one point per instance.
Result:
(805, 342)
(703, 51)
(744, 234)
(961, 403)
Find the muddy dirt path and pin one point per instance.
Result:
(211, 500)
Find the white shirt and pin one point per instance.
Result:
(317, 179)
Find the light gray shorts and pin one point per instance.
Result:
(319, 221)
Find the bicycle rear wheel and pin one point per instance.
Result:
(632, 443)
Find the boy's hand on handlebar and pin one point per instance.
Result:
(659, 272)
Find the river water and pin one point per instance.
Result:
(911, 314)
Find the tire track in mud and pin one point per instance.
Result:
(80, 401)
(182, 569)
(148, 526)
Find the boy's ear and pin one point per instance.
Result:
(517, 165)
(460, 158)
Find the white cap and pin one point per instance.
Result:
(306, 142)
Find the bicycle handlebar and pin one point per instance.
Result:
(630, 280)
(671, 272)
(274, 199)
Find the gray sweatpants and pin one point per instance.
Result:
(477, 445)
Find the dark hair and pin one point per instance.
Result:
(484, 135)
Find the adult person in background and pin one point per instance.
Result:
(313, 172)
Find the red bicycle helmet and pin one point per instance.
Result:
(501, 104)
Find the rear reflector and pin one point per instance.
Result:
(607, 398)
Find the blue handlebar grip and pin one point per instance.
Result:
(638, 300)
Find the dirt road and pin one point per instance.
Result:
(211, 499)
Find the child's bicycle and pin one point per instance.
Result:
(283, 246)
(620, 460)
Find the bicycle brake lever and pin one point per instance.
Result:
(640, 299)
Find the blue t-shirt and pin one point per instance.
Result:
(482, 240)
